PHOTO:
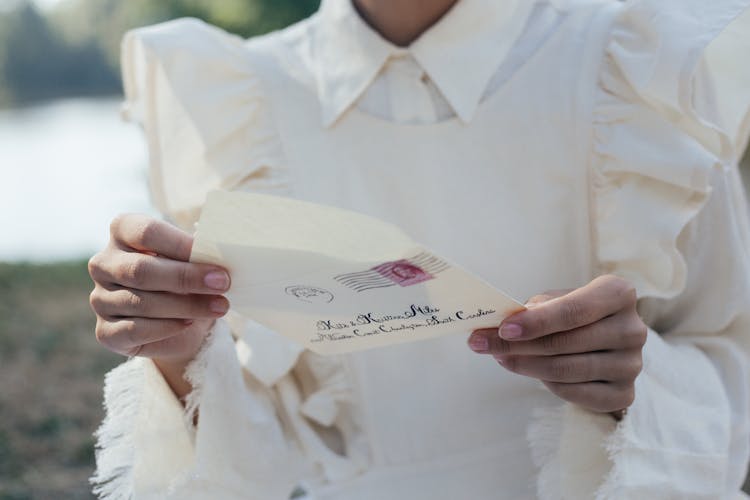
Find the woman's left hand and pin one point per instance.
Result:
(584, 344)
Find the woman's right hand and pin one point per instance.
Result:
(148, 299)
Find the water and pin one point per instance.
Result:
(66, 169)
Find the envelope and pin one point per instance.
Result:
(337, 281)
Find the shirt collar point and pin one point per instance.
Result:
(466, 115)
(335, 102)
(328, 117)
(462, 98)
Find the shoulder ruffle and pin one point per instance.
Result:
(671, 112)
(672, 107)
(194, 90)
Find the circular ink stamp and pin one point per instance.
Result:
(310, 294)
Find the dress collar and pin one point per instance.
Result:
(459, 53)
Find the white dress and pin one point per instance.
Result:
(537, 144)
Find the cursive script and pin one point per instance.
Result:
(363, 319)
(413, 318)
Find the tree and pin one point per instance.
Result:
(74, 50)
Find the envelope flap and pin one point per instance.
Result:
(243, 219)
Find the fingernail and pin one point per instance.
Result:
(187, 322)
(219, 306)
(511, 331)
(479, 343)
(217, 280)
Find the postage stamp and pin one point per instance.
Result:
(404, 272)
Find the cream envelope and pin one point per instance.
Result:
(338, 281)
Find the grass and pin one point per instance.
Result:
(51, 370)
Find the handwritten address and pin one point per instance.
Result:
(413, 318)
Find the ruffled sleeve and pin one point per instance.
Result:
(193, 89)
(270, 415)
(673, 113)
(671, 119)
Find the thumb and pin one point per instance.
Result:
(546, 296)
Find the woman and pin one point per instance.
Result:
(586, 146)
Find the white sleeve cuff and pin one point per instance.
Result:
(676, 441)
(142, 444)
(147, 447)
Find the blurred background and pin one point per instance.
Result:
(69, 164)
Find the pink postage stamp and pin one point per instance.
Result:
(402, 272)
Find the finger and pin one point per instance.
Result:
(149, 273)
(156, 305)
(610, 366)
(545, 296)
(145, 234)
(601, 397)
(616, 332)
(602, 297)
(126, 335)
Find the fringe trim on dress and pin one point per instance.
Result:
(115, 447)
